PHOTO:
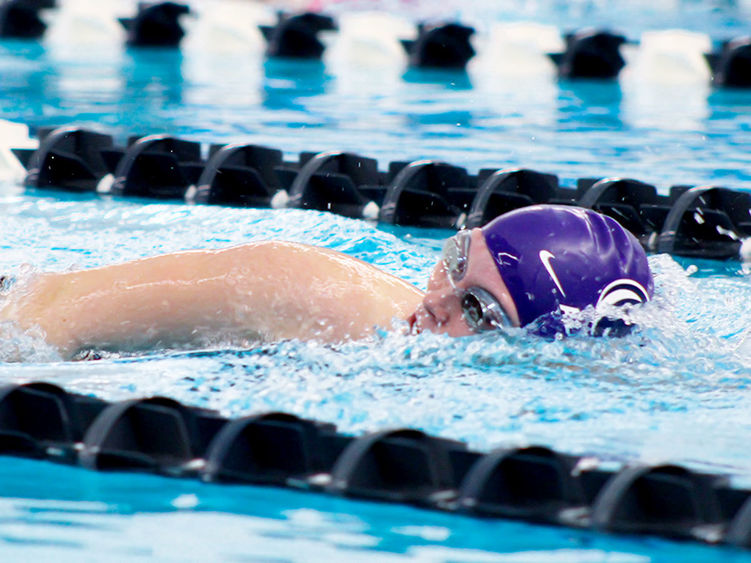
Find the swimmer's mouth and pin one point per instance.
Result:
(412, 321)
(422, 317)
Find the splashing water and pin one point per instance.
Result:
(676, 388)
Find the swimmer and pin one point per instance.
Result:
(523, 268)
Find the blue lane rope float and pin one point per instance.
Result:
(701, 222)
(162, 436)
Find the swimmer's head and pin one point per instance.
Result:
(555, 259)
(529, 266)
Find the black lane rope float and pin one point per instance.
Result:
(589, 53)
(700, 222)
(162, 436)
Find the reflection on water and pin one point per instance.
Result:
(287, 81)
(63, 514)
(451, 79)
(632, 127)
(26, 66)
(679, 389)
(43, 87)
(589, 104)
(731, 100)
(152, 76)
(452, 120)
(661, 391)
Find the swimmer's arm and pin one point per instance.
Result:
(123, 305)
(263, 290)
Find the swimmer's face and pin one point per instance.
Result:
(465, 294)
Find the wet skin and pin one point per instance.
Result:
(263, 291)
(441, 311)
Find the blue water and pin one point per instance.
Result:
(678, 390)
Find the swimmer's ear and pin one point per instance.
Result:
(552, 326)
(548, 326)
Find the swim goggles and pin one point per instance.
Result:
(481, 310)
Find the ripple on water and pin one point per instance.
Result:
(677, 380)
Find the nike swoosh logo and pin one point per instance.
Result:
(545, 256)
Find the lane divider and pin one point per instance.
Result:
(162, 436)
(695, 221)
(589, 53)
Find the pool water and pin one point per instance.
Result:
(676, 390)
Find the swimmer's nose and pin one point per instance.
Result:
(442, 304)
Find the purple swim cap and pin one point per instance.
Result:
(554, 257)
